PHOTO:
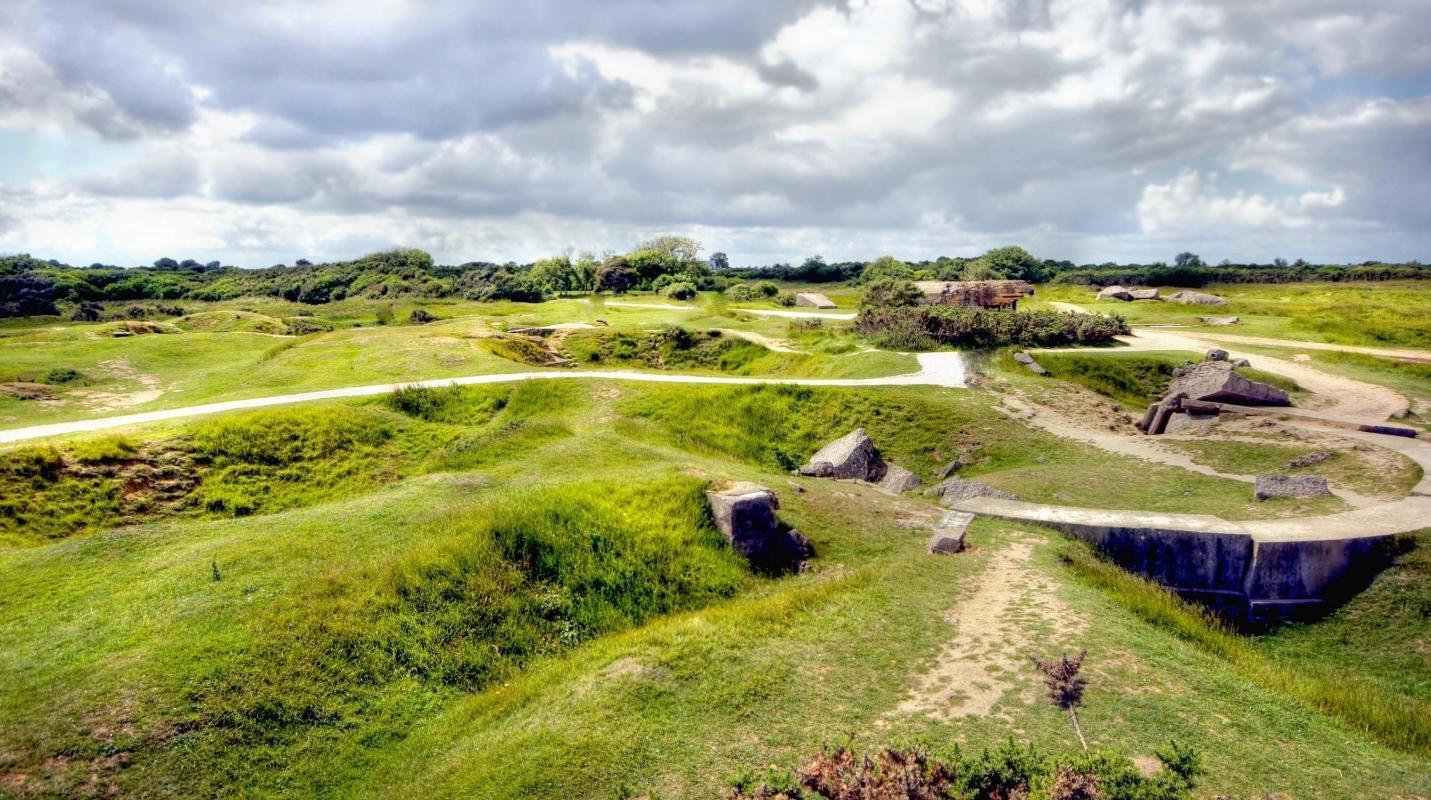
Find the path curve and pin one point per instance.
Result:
(1333, 395)
(945, 369)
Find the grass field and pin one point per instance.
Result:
(326, 649)
(233, 355)
(1380, 314)
(1133, 379)
(517, 591)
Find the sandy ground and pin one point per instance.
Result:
(777, 345)
(997, 629)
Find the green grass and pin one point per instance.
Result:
(228, 354)
(1377, 314)
(1346, 467)
(538, 607)
(1380, 635)
(1383, 709)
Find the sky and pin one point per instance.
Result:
(1088, 130)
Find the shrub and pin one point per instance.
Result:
(786, 299)
(60, 375)
(740, 292)
(767, 289)
(420, 316)
(962, 326)
(1009, 771)
(891, 293)
(679, 290)
(385, 314)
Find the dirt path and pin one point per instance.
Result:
(777, 345)
(945, 369)
(1399, 353)
(996, 630)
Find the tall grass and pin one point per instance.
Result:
(1390, 717)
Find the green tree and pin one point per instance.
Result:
(891, 293)
(1186, 259)
(886, 267)
(1015, 263)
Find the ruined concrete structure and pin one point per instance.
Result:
(980, 294)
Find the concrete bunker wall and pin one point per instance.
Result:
(1247, 578)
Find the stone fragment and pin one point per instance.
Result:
(1217, 354)
(850, 456)
(898, 480)
(1269, 486)
(952, 490)
(1189, 297)
(813, 300)
(1144, 294)
(949, 533)
(1216, 380)
(1220, 320)
(745, 513)
(1115, 292)
(1023, 358)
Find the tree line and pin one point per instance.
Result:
(672, 265)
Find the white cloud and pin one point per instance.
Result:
(1193, 203)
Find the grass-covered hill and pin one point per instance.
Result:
(517, 591)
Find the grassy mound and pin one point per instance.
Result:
(669, 347)
(231, 320)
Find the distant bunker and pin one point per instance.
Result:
(979, 294)
(1251, 573)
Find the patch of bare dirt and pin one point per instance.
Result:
(996, 630)
(122, 370)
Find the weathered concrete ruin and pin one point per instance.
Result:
(980, 294)
(745, 513)
(949, 533)
(1251, 573)
(813, 300)
(1269, 486)
(854, 457)
(1195, 298)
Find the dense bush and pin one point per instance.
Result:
(891, 293)
(1007, 772)
(679, 290)
(963, 326)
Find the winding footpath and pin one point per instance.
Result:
(944, 369)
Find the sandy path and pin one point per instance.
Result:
(777, 345)
(997, 629)
(1399, 353)
(944, 369)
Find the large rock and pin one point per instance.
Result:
(1144, 294)
(1217, 381)
(850, 456)
(1291, 486)
(1217, 354)
(1115, 292)
(813, 300)
(949, 533)
(898, 480)
(745, 513)
(1188, 297)
(953, 490)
